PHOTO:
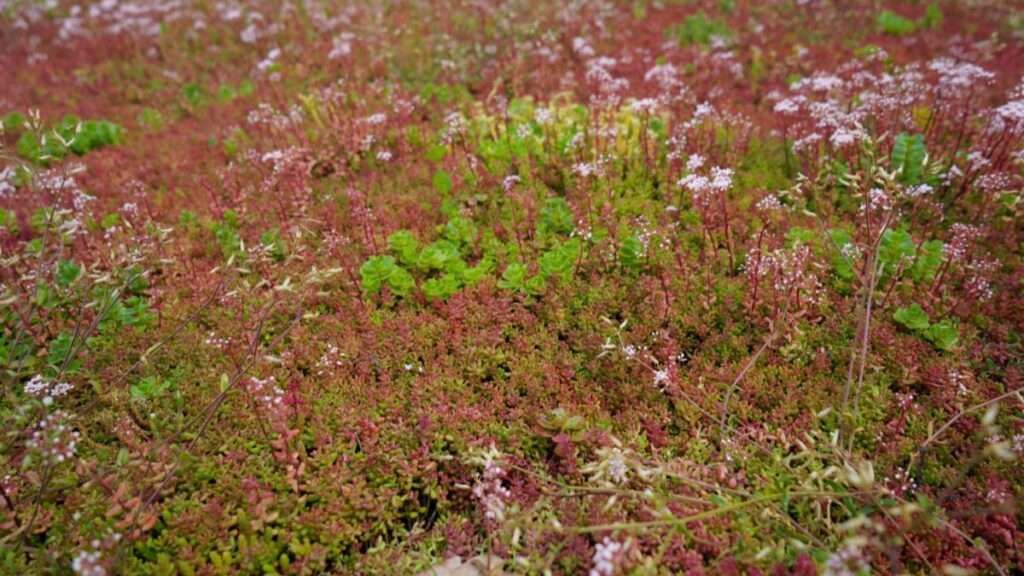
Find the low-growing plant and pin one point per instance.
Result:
(699, 28)
(613, 288)
(71, 135)
(380, 271)
(942, 334)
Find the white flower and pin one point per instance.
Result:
(959, 77)
(703, 109)
(272, 156)
(849, 561)
(721, 179)
(769, 203)
(843, 137)
(916, 191)
(695, 183)
(341, 46)
(493, 496)
(6, 181)
(249, 34)
(586, 169)
(618, 471)
(788, 106)
(825, 82)
(606, 557)
(266, 63)
(646, 105)
(582, 47)
(37, 386)
(660, 377)
(877, 199)
(88, 564)
(489, 489)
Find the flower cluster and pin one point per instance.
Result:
(53, 438)
(89, 563)
(705, 188)
(610, 468)
(608, 555)
(267, 394)
(42, 388)
(961, 242)
(489, 490)
(790, 271)
(849, 561)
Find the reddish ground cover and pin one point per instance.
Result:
(592, 287)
